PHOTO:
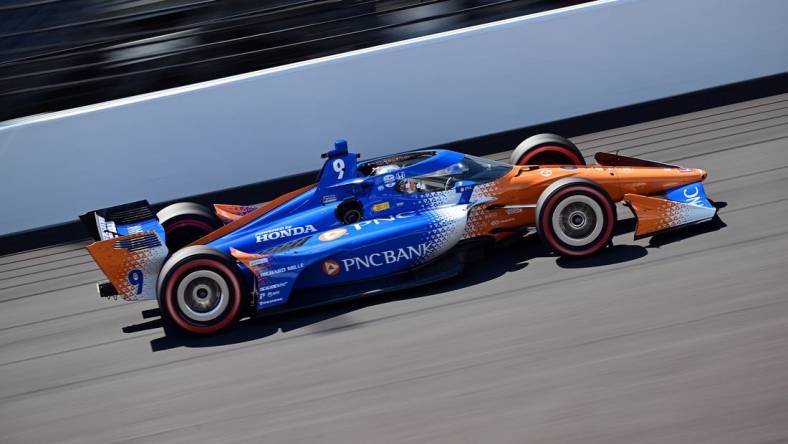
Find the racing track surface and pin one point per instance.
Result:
(680, 338)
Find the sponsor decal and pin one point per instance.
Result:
(380, 207)
(261, 261)
(502, 221)
(569, 167)
(273, 286)
(546, 173)
(332, 234)
(331, 267)
(283, 232)
(269, 301)
(381, 188)
(381, 258)
(511, 211)
(685, 170)
(266, 273)
(294, 267)
(328, 198)
(389, 180)
(379, 220)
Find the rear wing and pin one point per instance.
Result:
(130, 249)
(121, 220)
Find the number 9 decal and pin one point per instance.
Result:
(135, 279)
(339, 168)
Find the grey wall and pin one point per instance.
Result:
(400, 96)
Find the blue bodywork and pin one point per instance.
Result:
(302, 243)
(692, 194)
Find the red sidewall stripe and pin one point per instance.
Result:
(524, 159)
(192, 223)
(170, 298)
(547, 226)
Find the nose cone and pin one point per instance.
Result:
(692, 174)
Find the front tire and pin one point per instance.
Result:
(201, 290)
(575, 219)
(546, 149)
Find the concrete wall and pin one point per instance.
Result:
(401, 96)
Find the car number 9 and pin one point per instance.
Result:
(339, 168)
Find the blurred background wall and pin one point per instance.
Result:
(399, 96)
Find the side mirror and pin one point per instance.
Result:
(464, 188)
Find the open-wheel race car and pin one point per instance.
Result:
(380, 225)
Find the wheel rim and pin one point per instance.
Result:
(202, 295)
(351, 217)
(577, 220)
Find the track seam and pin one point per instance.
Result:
(700, 125)
(42, 263)
(705, 132)
(58, 318)
(684, 121)
(40, 271)
(76, 273)
(40, 249)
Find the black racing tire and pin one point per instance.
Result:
(201, 290)
(575, 217)
(546, 149)
(185, 222)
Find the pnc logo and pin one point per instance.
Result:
(332, 234)
(331, 267)
(379, 220)
(694, 197)
(387, 257)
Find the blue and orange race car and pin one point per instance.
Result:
(380, 225)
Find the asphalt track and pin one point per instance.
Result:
(679, 338)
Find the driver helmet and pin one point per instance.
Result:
(455, 169)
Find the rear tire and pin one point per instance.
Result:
(185, 222)
(546, 149)
(201, 290)
(575, 218)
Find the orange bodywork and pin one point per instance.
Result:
(656, 214)
(117, 257)
(251, 216)
(230, 213)
(522, 187)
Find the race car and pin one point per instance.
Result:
(380, 225)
